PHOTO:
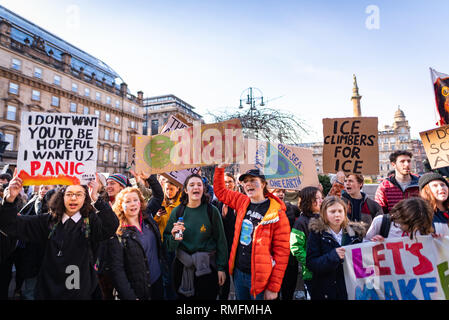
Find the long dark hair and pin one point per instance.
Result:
(185, 197)
(415, 214)
(307, 198)
(57, 207)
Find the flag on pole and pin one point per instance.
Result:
(440, 83)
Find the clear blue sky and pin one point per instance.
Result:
(208, 52)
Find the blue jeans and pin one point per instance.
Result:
(242, 285)
(28, 287)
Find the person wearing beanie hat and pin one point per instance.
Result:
(434, 188)
(116, 183)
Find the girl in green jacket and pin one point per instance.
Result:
(310, 199)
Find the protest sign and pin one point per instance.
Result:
(196, 146)
(176, 122)
(350, 145)
(284, 166)
(57, 148)
(436, 144)
(398, 269)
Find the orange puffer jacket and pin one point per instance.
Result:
(271, 238)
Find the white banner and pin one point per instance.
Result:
(398, 269)
(57, 148)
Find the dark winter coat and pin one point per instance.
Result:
(129, 268)
(67, 253)
(153, 205)
(328, 282)
(368, 208)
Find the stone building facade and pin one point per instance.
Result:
(157, 110)
(41, 72)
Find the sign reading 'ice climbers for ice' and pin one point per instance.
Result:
(350, 145)
(57, 148)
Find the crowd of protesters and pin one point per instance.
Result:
(155, 239)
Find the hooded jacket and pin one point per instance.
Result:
(271, 238)
(298, 241)
(328, 280)
(368, 208)
(389, 192)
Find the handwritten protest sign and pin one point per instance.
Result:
(436, 144)
(176, 122)
(284, 166)
(196, 146)
(398, 269)
(57, 148)
(350, 145)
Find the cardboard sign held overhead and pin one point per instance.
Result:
(57, 148)
(176, 122)
(351, 145)
(284, 166)
(436, 144)
(197, 146)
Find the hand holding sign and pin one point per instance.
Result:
(93, 186)
(13, 189)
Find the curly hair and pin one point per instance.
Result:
(57, 207)
(185, 197)
(413, 214)
(117, 207)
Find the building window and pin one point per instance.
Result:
(57, 80)
(106, 134)
(98, 96)
(36, 95)
(105, 155)
(87, 92)
(116, 136)
(133, 109)
(55, 101)
(117, 120)
(107, 117)
(73, 107)
(9, 138)
(154, 126)
(85, 110)
(13, 88)
(38, 72)
(117, 104)
(115, 156)
(74, 87)
(98, 113)
(16, 64)
(11, 113)
(108, 100)
(133, 124)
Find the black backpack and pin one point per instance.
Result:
(385, 226)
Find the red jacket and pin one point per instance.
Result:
(271, 238)
(389, 192)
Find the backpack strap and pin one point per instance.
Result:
(180, 211)
(385, 226)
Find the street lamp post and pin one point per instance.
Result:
(253, 101)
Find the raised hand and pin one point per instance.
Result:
(93, 186)
(12, 191)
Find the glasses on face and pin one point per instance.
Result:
(77, 195)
